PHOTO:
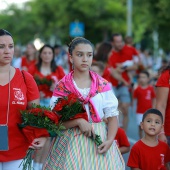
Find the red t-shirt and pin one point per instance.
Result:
(20, 94)
(164, 81)
(121, 138)
(129, 52)
(106, 73)
(115, 58)
(26, 63)
(144, 98)
(54, 76)
(148, 158)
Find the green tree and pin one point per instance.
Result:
(44, 18)
(49, 18)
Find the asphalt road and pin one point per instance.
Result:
(132, 133)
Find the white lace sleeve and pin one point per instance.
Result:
(110, 104)
(52, 101)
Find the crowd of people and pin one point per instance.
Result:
(108, 79)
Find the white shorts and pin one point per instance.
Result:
(11, 165)
(139, 117)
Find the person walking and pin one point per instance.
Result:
(18, 91)
(99, 102)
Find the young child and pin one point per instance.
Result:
(122, 141)
(149, 153)
(143, 97)
(98, 67)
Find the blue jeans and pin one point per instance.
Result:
(122, 93)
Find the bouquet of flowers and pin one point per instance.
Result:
(69, 108)
(45, 80)
(44, 84)
(38, 122)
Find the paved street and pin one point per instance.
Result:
(132, 132)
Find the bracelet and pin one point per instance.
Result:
(161, 133)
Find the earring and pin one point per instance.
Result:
(72, 66)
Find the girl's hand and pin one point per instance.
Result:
(104, 147)
(86, 128)
(38, 143)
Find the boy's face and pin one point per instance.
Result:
(152, 124)
(143, 79)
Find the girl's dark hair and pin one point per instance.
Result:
(76, 41)
(152, 111)
(103, 51)
(53, 64)
(4, 32)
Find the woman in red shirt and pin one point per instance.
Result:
(17, 92)
(163, 102)
(29, 59)
(47, 74)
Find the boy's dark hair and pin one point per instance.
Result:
(145, 72)
(152, 111)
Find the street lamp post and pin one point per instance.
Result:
(129, 17)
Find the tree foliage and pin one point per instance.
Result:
(49, 18)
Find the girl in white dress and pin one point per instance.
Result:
(75, 150)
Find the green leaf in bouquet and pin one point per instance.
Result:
(97, 139)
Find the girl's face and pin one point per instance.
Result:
(46, 55)
(6, 49)
(82, 57)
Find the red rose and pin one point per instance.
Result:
(36, 111)
(72, 98)
(43, 87)
(52, 116)
(80, 115)
(48, 78)
(58, 107)
(63, 102)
